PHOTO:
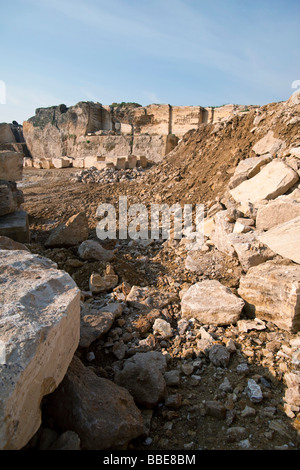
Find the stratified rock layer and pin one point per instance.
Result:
(272, 292)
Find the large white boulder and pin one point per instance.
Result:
(284, 239)
(211, 303)
(11, 165)
(272, 181)
(272, 292)
(40, 328)
(277, 212)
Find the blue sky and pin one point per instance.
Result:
(181, 52)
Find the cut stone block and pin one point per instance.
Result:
(37, 164)
(272, 292)
(40, 327)
(61, 162)
(143, 161)
(120, 163)
(131, 161)
(272, 181)
(11, 165)
(28, 162)
(93, 161)
(15, 226)
(211, 303)
(46, 164)
(78, 163)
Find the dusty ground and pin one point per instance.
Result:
(51, 198)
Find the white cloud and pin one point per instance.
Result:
(151, 97)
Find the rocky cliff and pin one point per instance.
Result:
(90, 129)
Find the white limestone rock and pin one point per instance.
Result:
(277, 212)
(248, 168)
(91, 249)
(221, 232)
(211, 303)
(162, 328)
(40, 327)
(268, 144)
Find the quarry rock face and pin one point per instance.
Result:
(40, 326)
(91, 129)
(271, 291)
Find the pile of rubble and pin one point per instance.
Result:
(108, 175)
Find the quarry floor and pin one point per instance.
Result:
(50, 198)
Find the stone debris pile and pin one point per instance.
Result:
(108, 175)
